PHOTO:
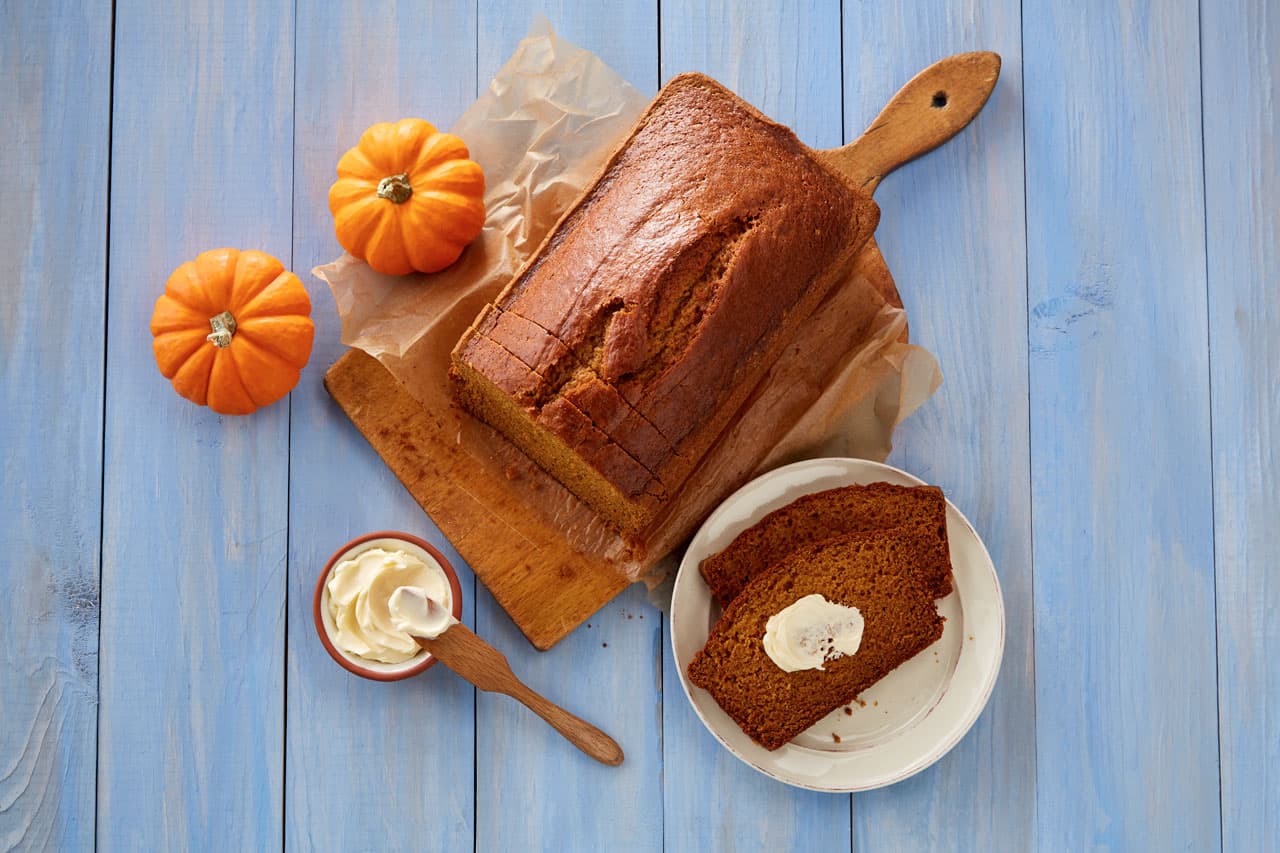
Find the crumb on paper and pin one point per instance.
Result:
(835, 737)
(848, 711)
(862, 703)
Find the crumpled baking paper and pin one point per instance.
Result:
(541, 132)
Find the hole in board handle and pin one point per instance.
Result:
(939, 100)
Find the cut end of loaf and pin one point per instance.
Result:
(495, 407)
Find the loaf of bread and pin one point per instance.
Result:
(877, 573)
(624, 347)
(919, 511)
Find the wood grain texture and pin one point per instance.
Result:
(55, 67)
(535, 792)
(1241, 52)
(952, 231)
(933, 106)
(1120, 452)
(195, 505)
(786, 61)
(368, 765)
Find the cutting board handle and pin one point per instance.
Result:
(934, 106)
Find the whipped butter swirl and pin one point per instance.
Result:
(360, 591)
(811, 631)
(418, 614)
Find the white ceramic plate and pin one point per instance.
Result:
(903, 723)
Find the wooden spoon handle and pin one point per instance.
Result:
(934, 106)
(487, 668)
(576, 730)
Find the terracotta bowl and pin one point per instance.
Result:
(324, 622)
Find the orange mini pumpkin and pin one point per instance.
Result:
(232, 330)
(407, 198)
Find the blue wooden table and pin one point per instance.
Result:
(1095, 263)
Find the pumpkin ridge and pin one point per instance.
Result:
(270, 338)
(181, 298)
(285, 295)
(187, 290)
(450, 220)
(243, 294)
(191, 379)
(174, 348)
(171, 315)
(269, 372)
(456, 176)
(243, 301)
(355, 220)
(436, 254)
(216, 276)
(442, 149)
(355, 165)
(222, 398)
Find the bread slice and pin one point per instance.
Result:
(880, 574)
(917, 510)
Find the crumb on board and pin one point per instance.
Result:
(604, 645)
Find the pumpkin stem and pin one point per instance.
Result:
(396, 188)
(224, 328)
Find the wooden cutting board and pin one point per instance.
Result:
(546, 586)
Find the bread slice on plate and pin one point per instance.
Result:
(886, 576)
(917, 510)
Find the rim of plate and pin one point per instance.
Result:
(960, 718)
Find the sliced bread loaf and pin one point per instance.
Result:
(878, 573)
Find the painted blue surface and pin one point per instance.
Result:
(530, 790)
(55, 92)
(1094, 262)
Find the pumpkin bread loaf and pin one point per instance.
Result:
(878, 573)
(917, 510)
(624, 347)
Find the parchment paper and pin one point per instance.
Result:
(548, 121)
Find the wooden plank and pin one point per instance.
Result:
(786, 61)
(1120, 450)
(971, 438)
(608, 670)
(398, 757)
(55, 71)
(1240, 43)
(194, 548)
